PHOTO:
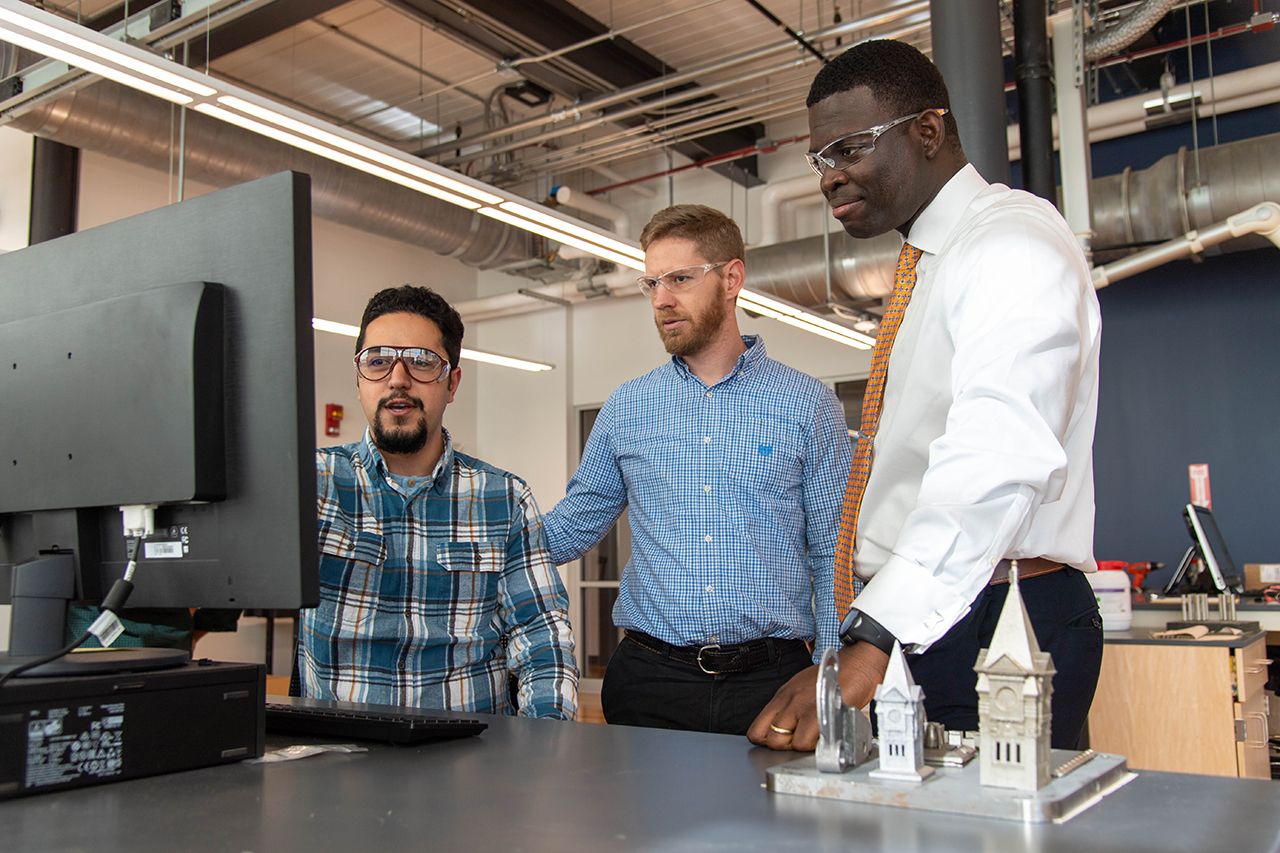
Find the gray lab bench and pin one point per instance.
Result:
(535, 785)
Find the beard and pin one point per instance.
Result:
(699, 331)
(403, 440)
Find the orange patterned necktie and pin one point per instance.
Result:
(904, 280)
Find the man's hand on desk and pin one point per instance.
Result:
(790, 720)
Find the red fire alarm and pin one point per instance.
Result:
(332, 418)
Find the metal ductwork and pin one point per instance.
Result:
(1175, 195)
(1130, 209)
(120, 122)
(861, 270)
(1129, 29)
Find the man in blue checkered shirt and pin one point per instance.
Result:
(734, 467)
(436, 585)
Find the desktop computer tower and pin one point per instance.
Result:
(59, 733)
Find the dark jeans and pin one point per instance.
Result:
(643, 688)
(1064, 614)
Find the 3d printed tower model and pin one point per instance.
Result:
(900, 719)
(1015, 684)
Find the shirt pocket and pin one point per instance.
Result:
(351, 569)
(469, 572)
(770, 458)
(470, 556)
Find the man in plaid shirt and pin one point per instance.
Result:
(436, 585)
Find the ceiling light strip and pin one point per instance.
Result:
(330, 154)
(559, 223)
(356, 148)
(110, 54)
(54, 52)
(472, 355)
(800, 318)
(560, 236)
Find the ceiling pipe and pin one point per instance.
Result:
(772, 198)
(1033, 72)
(967, 50)
(672, 81)
(123, 123)
(616, 177)
(1262, 219)
(1238, 90)
(578, 200)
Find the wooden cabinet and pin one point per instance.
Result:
(1186, 707)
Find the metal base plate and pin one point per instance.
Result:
(957, 790)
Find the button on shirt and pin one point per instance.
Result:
(734, 495)
(984, 448)
(431, 593)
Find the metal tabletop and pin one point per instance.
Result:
(538, 785)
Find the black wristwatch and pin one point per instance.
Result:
(859, 626)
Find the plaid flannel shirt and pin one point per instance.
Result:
(431, 592)
(734, 492)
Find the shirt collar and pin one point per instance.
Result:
(931, 229)
(377, 466)
(754, 356)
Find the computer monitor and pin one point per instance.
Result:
(1208, 546)
(166, 359)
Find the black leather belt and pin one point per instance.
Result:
(717, 659)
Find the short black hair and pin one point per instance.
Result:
(423, 301)
(900, 78)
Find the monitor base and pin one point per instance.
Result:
(97, 662)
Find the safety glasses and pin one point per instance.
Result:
(376, 363)
(847, 151)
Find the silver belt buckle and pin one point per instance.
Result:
(701, 665)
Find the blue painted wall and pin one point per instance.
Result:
(1190, 374)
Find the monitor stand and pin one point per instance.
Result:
(42, 589)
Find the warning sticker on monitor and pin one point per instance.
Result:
(162, 550)
(64, 744)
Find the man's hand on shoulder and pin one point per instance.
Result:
(794, 708)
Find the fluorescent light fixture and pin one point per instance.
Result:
(470, 354)
(558, 222)
(337, 328)
(55, 52)
(37, 30)
(110, 54)
(328, 153)
(568, 239)
(793, 315)
(504, 361)
(356, 148)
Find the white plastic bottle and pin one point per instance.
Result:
(1114, 603)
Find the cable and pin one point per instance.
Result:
(18, 670)
(113, 603)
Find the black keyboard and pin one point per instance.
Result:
(393, 726)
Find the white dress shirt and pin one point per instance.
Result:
(985, 445)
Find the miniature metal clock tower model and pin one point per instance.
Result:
(1015, 684)
(900, 719)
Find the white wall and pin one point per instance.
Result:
(15, 188)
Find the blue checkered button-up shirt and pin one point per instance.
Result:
(735, 495)
(433, 590)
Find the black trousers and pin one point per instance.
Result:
(1064, 614)
(643, 688)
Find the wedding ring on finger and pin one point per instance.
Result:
(782, 731)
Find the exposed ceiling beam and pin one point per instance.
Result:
(276, 17)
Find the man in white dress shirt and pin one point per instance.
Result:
(980, 452)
